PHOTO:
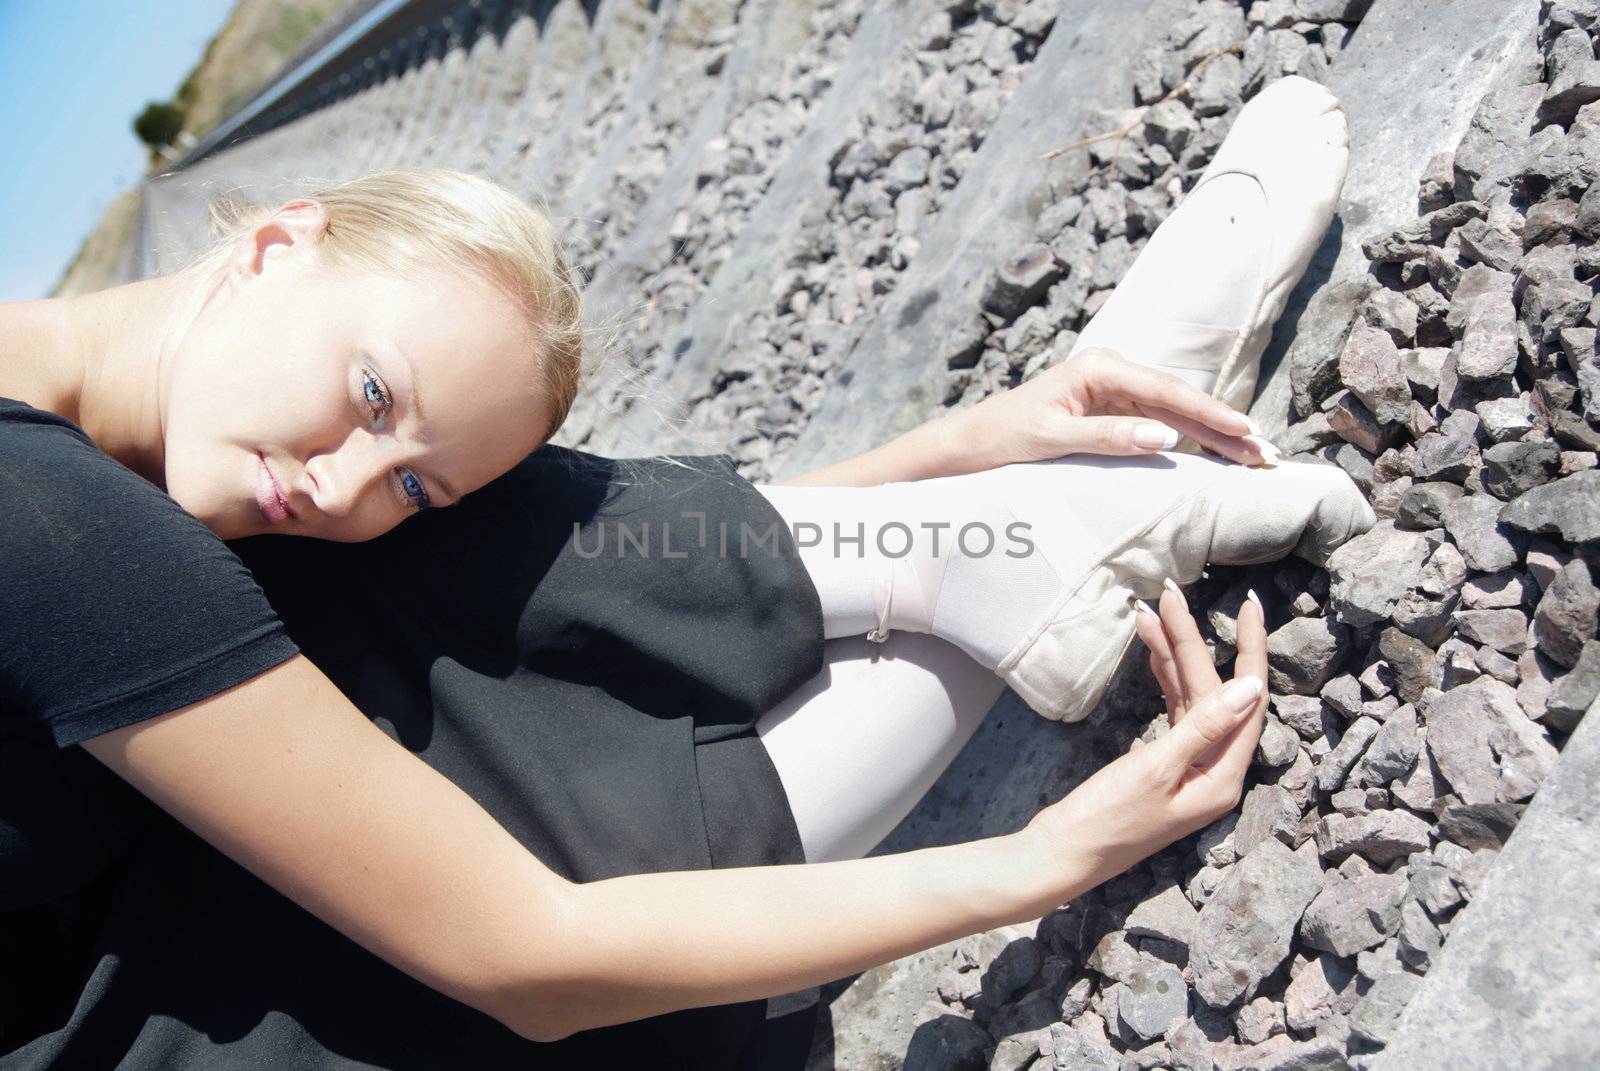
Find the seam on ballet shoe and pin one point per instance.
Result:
(1071, 705)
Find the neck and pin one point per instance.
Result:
(102, 361)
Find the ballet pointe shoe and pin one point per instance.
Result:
(1208, 510)
(1290, 143)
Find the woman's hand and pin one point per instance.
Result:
(1184, 779)
(1100, 403)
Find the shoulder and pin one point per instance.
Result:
(114, 601)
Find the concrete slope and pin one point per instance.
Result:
(894, 374)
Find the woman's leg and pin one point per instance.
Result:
(1030, 569)
(861, 742)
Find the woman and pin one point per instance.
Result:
(278, 388)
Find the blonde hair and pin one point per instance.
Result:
(396, 221)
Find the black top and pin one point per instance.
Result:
(594, 689)
(115, 605)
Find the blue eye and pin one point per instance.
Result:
(374, 392)
(414, 489)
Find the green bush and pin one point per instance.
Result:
(159, 123)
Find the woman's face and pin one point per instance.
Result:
(335, 405)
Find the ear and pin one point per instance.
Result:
(293, 229)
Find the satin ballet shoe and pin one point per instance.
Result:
(1201, 509)
(1290, 142)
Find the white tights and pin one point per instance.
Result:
(861, 742)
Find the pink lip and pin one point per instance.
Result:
(270, 497)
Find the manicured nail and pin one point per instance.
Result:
(1155, 436)
(1270, 455)
(1139, 605)
(1240, 695)
(1250, 593)
(1255, 429)
(1170, 586)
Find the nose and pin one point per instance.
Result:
(343, 478)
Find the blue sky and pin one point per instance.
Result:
(73, 74)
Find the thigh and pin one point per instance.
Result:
(860, 743)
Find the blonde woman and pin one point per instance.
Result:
(489, 791)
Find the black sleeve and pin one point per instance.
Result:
(116, 605)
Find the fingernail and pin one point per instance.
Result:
(1270, 455)
(1170, 586)
(1255, 429)
(1240, 695)
(1154, 436)
(1139, 605)
(1250, 593)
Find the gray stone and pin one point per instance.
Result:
(1426, 609)
(1489, 338)
(909, 168)
(1480, 289)
(1574, 77)
(1549, 221)
(1430, 884)
(1496, 240)
(1356, 424)
(1496, 591)
(1422, 505)
(1420, 939)
(1473, 521)
(1268, 811)
(1496, 664)
(1506, 418)
(1504, 630)
(1152, 998)
(1343, 694)
(1393, 751)
(1420, 789)
(1372, 571)
(1480, 825)
(1509, 469)
(1336, 764)
(1168, 916)
(1353, 913)
(1422, 367)
(1575, 692)
(1484, 745)
(1376, 680)
(1381, 836)
(1441, 456)
(1278, 745)
(1376, 1017)
(1171, 125)
(1302, 713)
(1322, 989)
(1259, 1020)
(1568, 614)
(1073, 1050)
(1370, 367)
(1021, 280)
(1413, 663)
(1395, 314)
(1244, 931)
(1304, 653)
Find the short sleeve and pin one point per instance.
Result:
(116, 605)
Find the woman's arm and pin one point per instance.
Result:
(1097, 403)
(286, 777)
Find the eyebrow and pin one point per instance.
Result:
(415, 396)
